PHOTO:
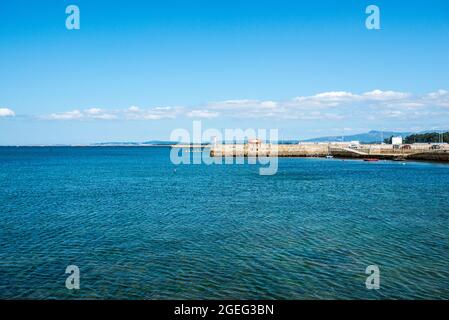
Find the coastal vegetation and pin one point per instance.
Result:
(429, 137)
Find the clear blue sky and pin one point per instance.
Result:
(232, 64)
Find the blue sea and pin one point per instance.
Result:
(140, 227)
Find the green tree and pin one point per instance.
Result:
(431, 137)
(388, 140)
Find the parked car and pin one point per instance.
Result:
(435, 147)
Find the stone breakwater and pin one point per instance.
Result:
(426, 152)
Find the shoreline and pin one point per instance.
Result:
(285, 151)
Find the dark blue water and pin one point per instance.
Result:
(137, 229)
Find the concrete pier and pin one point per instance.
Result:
(426, 152)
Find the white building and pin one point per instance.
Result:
(396, 140)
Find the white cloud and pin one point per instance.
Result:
(156, 113)
(331, 105)
(93, 113)
(407, 105)
(202, 114)
(336, 98)
(331, 96)
(69, 115)
(384, 95)
(242, 104)
(5, 112)
(246, 108)
(337, 105)
(439, 98)
(438, 94)
(133, 109)
(97, 113)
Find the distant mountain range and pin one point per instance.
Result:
(130, 143)
(370, 137)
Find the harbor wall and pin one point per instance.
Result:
(340, 150)
(245, 150)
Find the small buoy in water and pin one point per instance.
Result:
(174, 170)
